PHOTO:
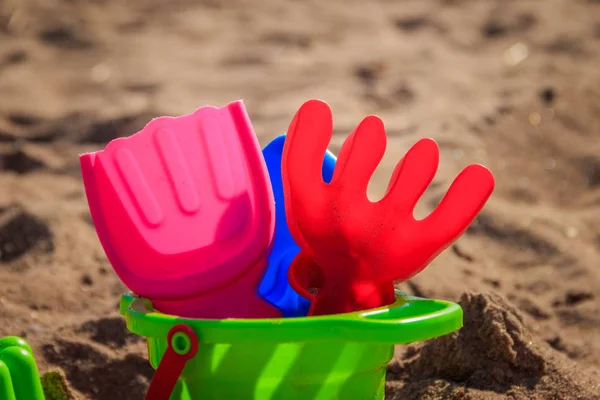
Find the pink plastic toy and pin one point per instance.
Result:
(352, 249)
(184, 211)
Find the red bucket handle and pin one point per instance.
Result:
(182, 346)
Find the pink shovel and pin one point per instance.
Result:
(184, 211)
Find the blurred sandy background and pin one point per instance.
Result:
(514, 85)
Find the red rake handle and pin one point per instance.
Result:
(182, 346)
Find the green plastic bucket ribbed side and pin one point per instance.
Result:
(294, 371)
(322, 358)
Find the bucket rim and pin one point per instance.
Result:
(409, 319)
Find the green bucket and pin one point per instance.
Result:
(329, 357)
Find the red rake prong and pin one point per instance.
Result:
(361, 153)
(307, 139)
(465, 198)
(413, 174)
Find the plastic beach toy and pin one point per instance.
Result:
(341, 356)
(275, 287)
(19, 376)
(185, 212)
(354, 249)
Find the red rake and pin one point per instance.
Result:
(352, 249)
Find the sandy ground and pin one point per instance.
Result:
(514, 85)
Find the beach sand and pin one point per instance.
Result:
(514, 85)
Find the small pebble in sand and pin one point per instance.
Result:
(101, 73)
(3, 299)
(572, 232)
(516, 54)
(87, 280)
(547, 95)
(535, 118)
(550, 163)
(33, 315)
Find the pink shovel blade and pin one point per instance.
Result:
(183, 206)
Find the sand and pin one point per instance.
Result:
(510, 84)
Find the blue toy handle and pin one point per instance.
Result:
(275, 287)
